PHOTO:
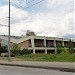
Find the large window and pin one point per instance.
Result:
(50, 43)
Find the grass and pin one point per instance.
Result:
(3, 58)
(47, 57)
(44, 57)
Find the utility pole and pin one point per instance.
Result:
(9, 35)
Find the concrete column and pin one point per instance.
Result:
(45, 46)
(63, 43)
(33, 51)
(55, 43)
(45, 51)
(32, 42)
(55, 46)
(45, 42)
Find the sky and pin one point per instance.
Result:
(53, 18)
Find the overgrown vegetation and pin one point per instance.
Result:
(15, 50)
(70, 57)
(59, 48)
(70, 47)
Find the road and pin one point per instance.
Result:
(13, 70)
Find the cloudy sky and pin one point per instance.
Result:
(53, 18)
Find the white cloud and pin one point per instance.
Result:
(61, 6)
(17, 15)
(58, 23)
(47, 24)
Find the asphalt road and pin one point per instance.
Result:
(13, 70)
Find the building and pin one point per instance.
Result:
(37, 44)
(29, 33)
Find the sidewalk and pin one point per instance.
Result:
(63, 66)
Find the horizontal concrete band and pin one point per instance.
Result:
(38, 66)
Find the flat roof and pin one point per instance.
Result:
(19, 39)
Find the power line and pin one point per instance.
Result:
(3, 25)
(24, 8)
(24, 4)
(28, 6)
(19, 7)
(30, 1)
(3, 18)
(4, 14)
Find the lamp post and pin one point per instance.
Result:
(9, 35)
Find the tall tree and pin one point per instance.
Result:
(70, 47)
(59, 48)
(3, 49)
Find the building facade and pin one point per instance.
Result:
(37, 44)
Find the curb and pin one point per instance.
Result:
(42, 67)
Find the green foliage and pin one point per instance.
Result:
(64, 51)
(15, 50)
(67, 57)
(25, 51)
(70, 47)
(3, 49)
(59, 48)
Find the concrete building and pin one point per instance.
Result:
(37, 44)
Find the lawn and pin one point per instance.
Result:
(47, 57)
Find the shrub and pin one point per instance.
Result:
(64, 51)
(25, 51)
(15, 50)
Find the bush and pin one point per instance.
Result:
(13, 55)
(64, 51)
(25, 51)
(15, 50)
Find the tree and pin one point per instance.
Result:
(15, 50)
(70, 47)
(3, 49)
(59, 48)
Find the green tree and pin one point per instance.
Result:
(15, 50)
(59, 48)
(3, 49)
(70, 47)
